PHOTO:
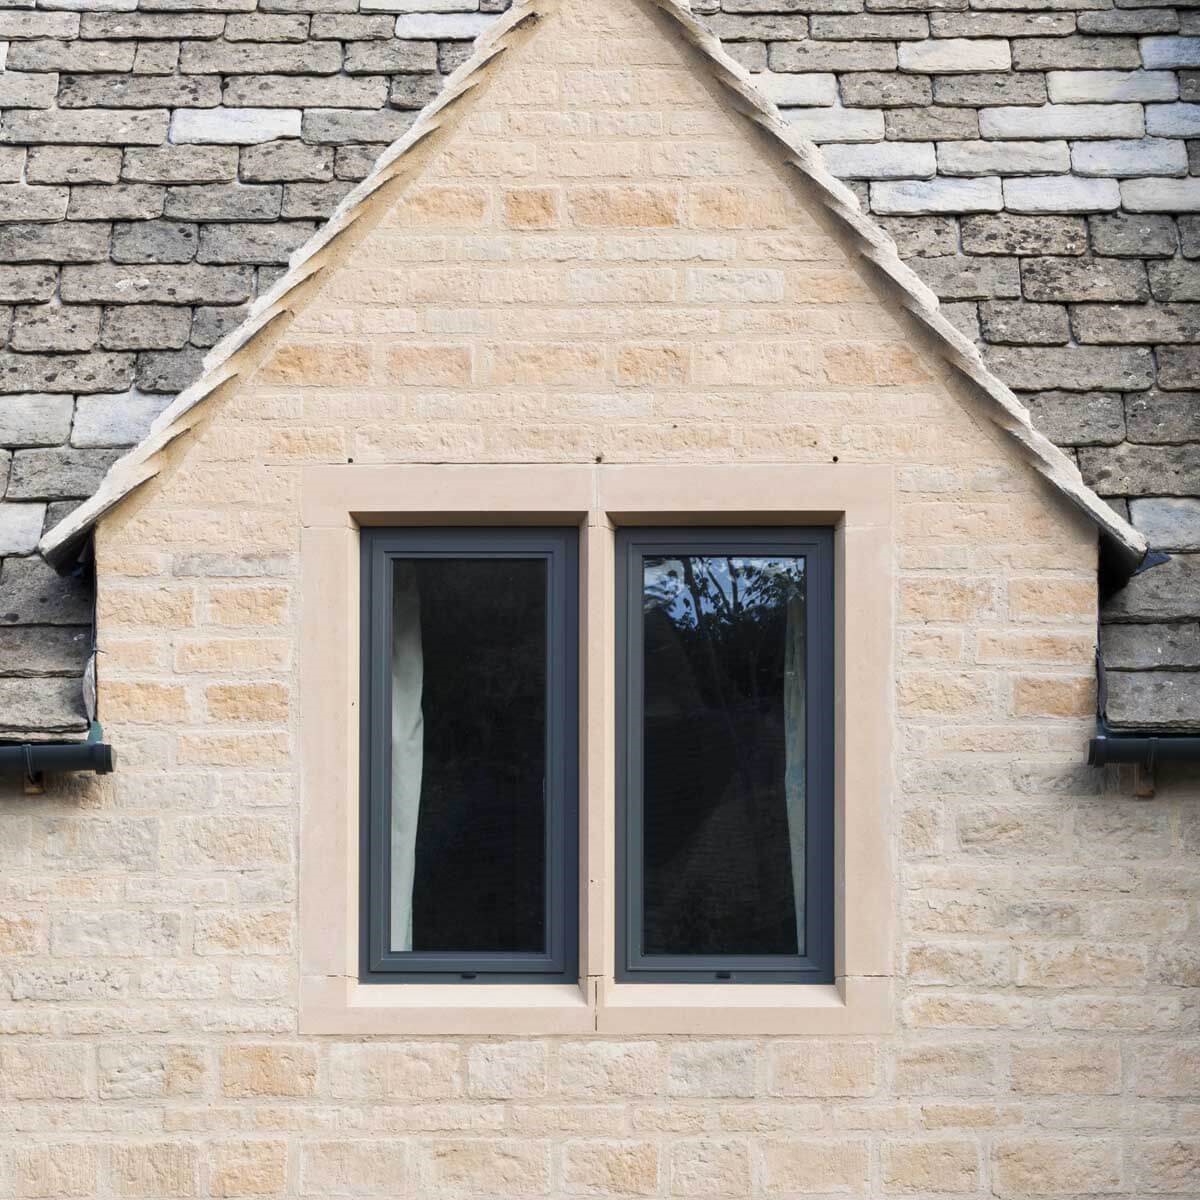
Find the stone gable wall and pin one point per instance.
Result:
(159, 160)
(1046, 1035)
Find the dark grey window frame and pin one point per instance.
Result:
(559, 547)
(817, 965)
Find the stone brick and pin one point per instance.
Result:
(937, 124)
(1078, 418)
(155, 242)
(129, 128)
(33, 593)
(1169, 524)
(248, 1168)
(887, 160)
(1002, 158)
(1160, 53)
(878, 89)
(1053, 1167)
(145, 327)
(438, 26)
(955, 278)
(56, 1169)
(1161, 195)
(34, 420)
(265, 27)
(507, 1070)
(120, 420)
(237, 126)
(275, 162)
(922, 237)
(181, 164)
(1086, 368)
(155, 1169)
(295, 92)
(367, 1167)
(98, 371)
(138, 91)
(707, 1069)
(1145, 647)
(1084, 279)
(735, 26)
(1178, 368)
(1113, 323)
(1063, 121)
(1110, 87)
(18, 26)
(23, 284)
(118, 201)
(930, 1166)
(341, 127)
(24, 202)
(938, 196)
(1061, 194)
(1089, 53)
(252, 243)
(224, 202)
(48, 54)
(1133, 470)
(1019, 234)
(1001, 24)
(352, 28)
(1164, 593)
(268, 1069)
(1148, 20)
(1024, 324)
(131, 25)
(955, 56)
(818, 1068)
(20, 527)
(1131, 235)
(831, 1165)
(1147, 156)
(837, 124)
(28, 89)
(628, 1168)
(1176, 280)
(832, 56)
(412, 91)
(115, 934)
(993, 88)
(55, 327)
(184, 284)
(168, 370)
(1161, 699)
(1167, 1164)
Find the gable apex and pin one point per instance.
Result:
(237, 356)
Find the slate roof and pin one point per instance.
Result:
(44, 620)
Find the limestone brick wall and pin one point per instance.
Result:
(1035, 160)
(624, 275)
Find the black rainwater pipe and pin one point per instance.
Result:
(1142, 749)
(34, 759)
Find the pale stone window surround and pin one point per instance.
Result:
(855, 500)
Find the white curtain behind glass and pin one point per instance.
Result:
(408, 737)
(794, 772)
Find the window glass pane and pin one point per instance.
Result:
(468, 819)
(723, 755)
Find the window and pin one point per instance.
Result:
(725, 744)
(470, 689)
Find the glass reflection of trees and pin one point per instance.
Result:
(723, 748)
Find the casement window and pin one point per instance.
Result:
(725, 743)
(469, 755)
(724, 844)
(597, 748)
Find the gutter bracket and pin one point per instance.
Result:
(34, 782)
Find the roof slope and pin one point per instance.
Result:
(240, 352)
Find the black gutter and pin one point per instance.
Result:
(32, 760)
(1143, 749)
